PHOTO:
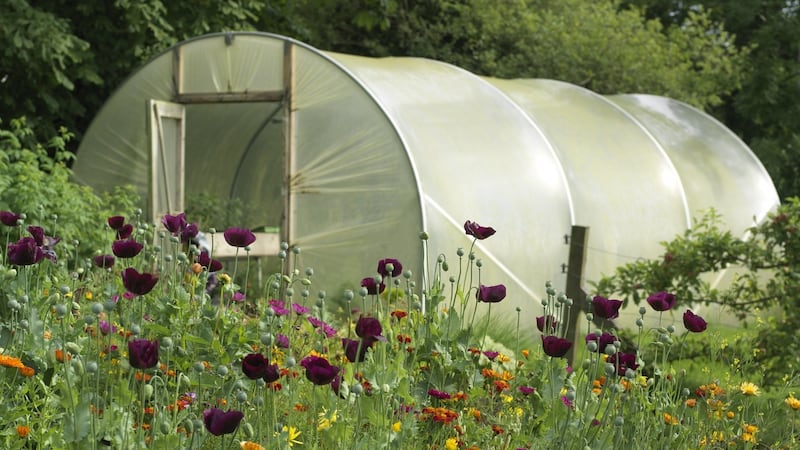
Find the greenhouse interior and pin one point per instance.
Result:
(349, 158)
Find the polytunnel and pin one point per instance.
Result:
(350, 158)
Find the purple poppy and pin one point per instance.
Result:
(125, 231)
(299, 309)
(318, 370)
(46, 243)
(397, 268)
(174, 224)
(477, 231)
(204, 259)
(219, 422)
(239, 237)
(693, 322)
(116, 222)
(189, 232)
(321, 326)
(355, 350)
(238, 297)
(278, 307)
(25, 252)
(126, 248)
(605, 308)
(661, 301)
(272, 373)
(369, 327)
(491, 294)
(9, 219)
(491, 355)
(106, 328)
(548, 321)
(142, 353)
(372, 287)
(104, 261)
(439, 394)
(623, 362)
(526, 390)
(254, 366)
(555, 346)
(603, 340)
(138, 283)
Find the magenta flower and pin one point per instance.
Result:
(237, 297)
(490, 354)
(318, 370)
(321, 326)
(477, 231)
(125, 231)
(189, 232)
(369, 327)
(204, 259)
(299, 309)
(555, 346)
(138, 283)
(372, 287)
(548, 321)
(623, 362)
(661, 301)
(693, 322)
(239, 237)
(278, 307)
(526, 390)
(9, 219)
(281, 340)
(397, 268)
(604, 340)
(25, 252)
(605, 308)
(104, 261)
(106, 328)
(218, 422)
(127, 248)
(491, 294)
(116, 222)
(142, 353)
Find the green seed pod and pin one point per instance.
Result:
(148, 390)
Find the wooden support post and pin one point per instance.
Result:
(578, 240)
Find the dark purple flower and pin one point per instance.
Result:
(661, 301)
(46, 243)
(567, 402)
(555, 346)
(9, 219)
(142, 353)
(318, 370)
(548, 321)
(693, 322)
(604, 340)
(126, 248)
(272, 373)
(239, 237)
(204, 259)
(368, 327)
(605, 308)
(491, 294)
(355, 350)
(116, 222)
(372, 287)
(254, 366)
(477, 231)
(218, 422)
(125, 231)
(490, 355)
(174, 224)
(37, 233)
(106, 328)
(25, 252)
(104, 261)
(396, 267)
(526, 390)
(281, 340)
(623, 362)
(138, 283)
(439, 394)
(189, 232)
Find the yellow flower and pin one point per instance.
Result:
(88, 295)
(792, 402)
(293, 434)
(749, 388)
(451, 444)
(747, 437)
(751, 429)
(247, 445)
(669, 419)
(730, 415)
(397, 426)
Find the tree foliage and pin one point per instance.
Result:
(763, 275)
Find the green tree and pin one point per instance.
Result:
(765, 276)
(764, 111)
(593, 44)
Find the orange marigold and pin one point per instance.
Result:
(27, 371)
(10, 361)
(23, 431)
